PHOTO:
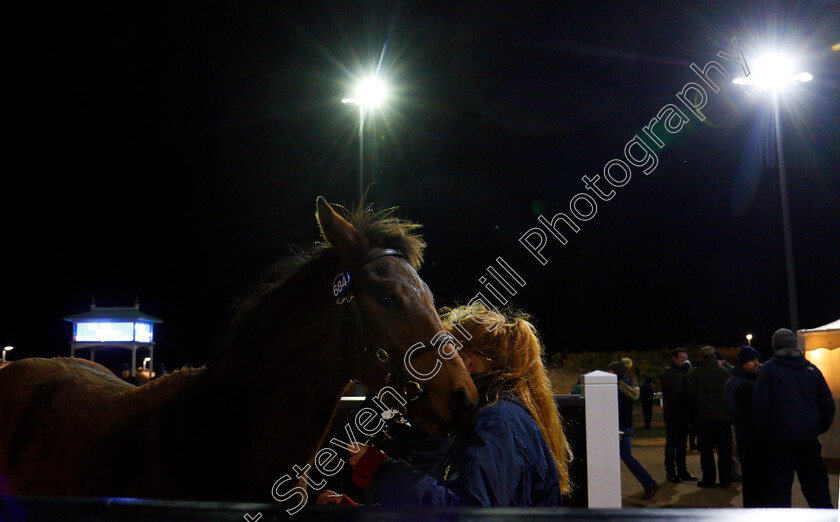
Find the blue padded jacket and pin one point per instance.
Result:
(501, 460)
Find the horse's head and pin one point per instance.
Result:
(393, 335)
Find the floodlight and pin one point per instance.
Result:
(370, 92)
(773, 72)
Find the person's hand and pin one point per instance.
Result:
(329, 497)
(364, 462)
(362, 449)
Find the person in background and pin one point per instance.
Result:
(125, 374)
(160, 371)
(722, 362)
(714, 430)
(646, 396)
(514, 454)
(738, 401)
(627, 394)
(736, 460)
(677, 413)
(793, 406)
(628, 364)
(692, 423)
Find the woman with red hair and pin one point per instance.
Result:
(514, 454)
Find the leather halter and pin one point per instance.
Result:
(343, 293)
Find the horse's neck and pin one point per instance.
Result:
(279, 419)
(271, 402)
(254, 430)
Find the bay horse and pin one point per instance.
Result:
(266, 397)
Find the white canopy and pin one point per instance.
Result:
(826, 336)
(820, 348)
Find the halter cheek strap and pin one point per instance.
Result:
(343, 293)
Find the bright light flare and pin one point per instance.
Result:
(773, 72)
(371, 92)
(8, 348)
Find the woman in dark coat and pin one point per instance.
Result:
(514, 454)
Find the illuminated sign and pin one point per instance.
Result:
(143, 332)
(100, 332)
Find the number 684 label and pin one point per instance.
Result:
(341, 284)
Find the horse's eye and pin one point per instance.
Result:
(387, 300)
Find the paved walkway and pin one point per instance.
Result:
(687, 494)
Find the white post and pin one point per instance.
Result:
(133, 360)
(600, 392)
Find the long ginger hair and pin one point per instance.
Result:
(511, 344)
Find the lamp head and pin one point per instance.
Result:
(773, 72)
(369, 92)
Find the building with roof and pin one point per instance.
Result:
(114, 327)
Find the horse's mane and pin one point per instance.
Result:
(380, 228)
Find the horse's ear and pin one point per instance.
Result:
(340, 234)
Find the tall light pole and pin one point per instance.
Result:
(7, 349)
(368, 94)
(774, 73)
(749, 339)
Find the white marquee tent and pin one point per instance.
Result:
(822, 348)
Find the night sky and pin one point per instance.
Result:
(173, 154)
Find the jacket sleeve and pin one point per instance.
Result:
(729, 402)
(628, 390)
(826, 403)
(691, 383)
(479, 473)
(762, 398)
(397, 482)
(671, 381)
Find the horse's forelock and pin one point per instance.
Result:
(384, 230)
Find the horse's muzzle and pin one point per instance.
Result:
(462, 408)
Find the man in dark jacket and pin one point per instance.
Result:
(676, 411)
(793, 405)
(738, 400)
(705, 385)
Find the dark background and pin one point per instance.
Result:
(172, 153)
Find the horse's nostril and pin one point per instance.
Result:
(461, 407)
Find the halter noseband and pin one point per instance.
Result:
(343, 294)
